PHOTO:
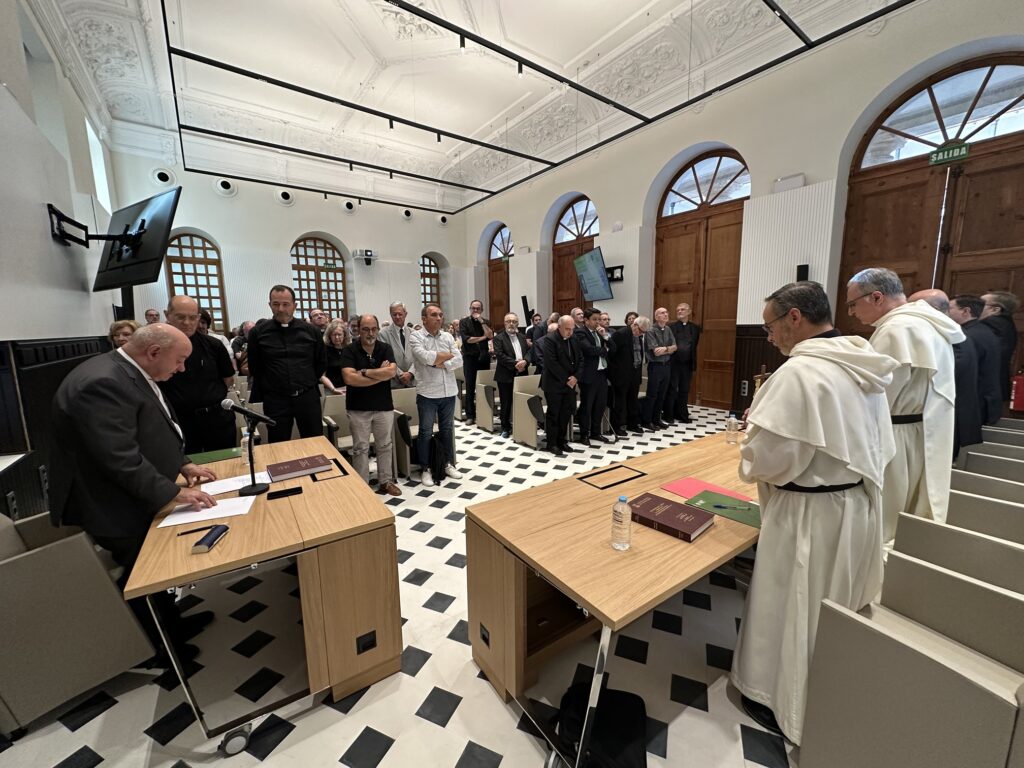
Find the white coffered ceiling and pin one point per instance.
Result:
(645, 57)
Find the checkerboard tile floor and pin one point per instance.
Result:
(438, 711)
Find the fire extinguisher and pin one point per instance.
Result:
(1017, 392)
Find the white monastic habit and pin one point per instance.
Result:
(820, 420)
(921, 340)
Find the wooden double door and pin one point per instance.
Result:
(497, 294)
(957, 227)
(697, 261)
(566, 292)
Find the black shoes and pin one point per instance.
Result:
(601, 438)
(661, 425)
(761, 715)
(620, 432)
(568, 449)
(556, 451)
(635, 430)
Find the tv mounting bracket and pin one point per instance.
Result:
(58, 219)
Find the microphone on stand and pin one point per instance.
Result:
(251, 418)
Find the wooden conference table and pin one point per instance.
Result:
(344, 540)
(537, 557)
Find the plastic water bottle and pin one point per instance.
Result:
(622, 518)
(732, 429)
(244, 445)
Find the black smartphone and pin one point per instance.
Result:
(280, 494)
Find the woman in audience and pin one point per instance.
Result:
(121, 331)
(336, 338)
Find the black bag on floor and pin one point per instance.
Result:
(618, 737)
(438, 458)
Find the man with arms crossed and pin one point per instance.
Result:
(435, 358)
(116, 454)
(475, 332)
(818, 440)
(921, 394)
(368, 367)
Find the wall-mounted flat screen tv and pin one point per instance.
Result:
(142, 230)
(593, 278)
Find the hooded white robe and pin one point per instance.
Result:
(821, 419)
(921, 339)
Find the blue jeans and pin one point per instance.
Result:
(441, 409)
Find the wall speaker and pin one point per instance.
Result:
(225, 187)
(350, 207)
(406, 214)
(162, 177)
(802, 272)
(284, 197)
(442, 220)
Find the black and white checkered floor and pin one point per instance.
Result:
(439, 711)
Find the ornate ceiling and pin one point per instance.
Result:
(646, 58)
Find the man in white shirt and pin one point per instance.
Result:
(817, 444)
(921, 395)
(435, 358)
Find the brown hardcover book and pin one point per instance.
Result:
(671, 517)
(307, 465)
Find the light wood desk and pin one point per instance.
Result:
(535, 558)
(344, 540)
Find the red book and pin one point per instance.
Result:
(687, 487)
(307, 465)
(671, 517)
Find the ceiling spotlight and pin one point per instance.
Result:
(391, 175)
(391, 124)
(351, 167)
(520, 70)
(439, 138)
(462, 45)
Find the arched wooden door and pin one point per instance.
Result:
(697, 261)
(937, 187)
(574, 236)
(502, 249)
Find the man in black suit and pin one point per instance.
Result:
(592, 340)
(966, 310)
(562, 363)
(684, 363)
(625, 371)
(117, 452)
(510, 351)
(998, 315)
(475, 331)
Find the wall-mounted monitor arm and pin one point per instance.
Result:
(58, 220)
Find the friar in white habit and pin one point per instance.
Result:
(921, 396)
(818, 440)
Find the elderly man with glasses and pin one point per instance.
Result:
(921, 395)
(818, 441)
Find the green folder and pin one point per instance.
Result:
(211, 456)
(746, 512)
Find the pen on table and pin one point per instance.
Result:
(727, 506)
(196, 530)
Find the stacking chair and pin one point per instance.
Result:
(1005, 436)
(65, 628)
(407, 423)
(998, 449)
(983, 485)
(931, 677)
(460, 383)
(486, 400)
(527, 409)
(338, 429)
(995, 466)
(986, 558)
(1017, 424)
(994, 517)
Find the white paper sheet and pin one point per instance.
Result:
(229, 484)
(181, 514)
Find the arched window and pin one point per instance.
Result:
(430, 281)
(502, 249)
(578, 221)
(502, 246)
(318, 276)
(953, 109)
(710, 180)
(193, 269)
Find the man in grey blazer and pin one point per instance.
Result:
(397, 337)
(118, 451)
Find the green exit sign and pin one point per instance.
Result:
(949, 154)
(328, 265)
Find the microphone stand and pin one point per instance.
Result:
(253, 488)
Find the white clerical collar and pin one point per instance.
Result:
(139, 368)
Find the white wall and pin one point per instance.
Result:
(805, 116)
(255, 234)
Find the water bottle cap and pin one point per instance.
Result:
(622, 498)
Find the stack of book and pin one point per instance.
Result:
(689, 520)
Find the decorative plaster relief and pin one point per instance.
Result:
(730, 22)
(108, 49)
(128, 105)
(404, 25)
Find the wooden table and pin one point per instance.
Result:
(344, 541)
(537, 557)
